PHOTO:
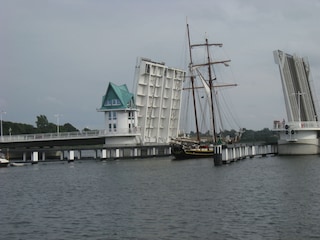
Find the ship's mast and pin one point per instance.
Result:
(211, 87)
(193, 87)
(211, 93)
(208, 64)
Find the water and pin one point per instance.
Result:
(259, 198)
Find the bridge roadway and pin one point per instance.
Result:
(73, 143)
(96, 137)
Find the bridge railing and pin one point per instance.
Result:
(303, 124)
(68, 135)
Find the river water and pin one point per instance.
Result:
(259, 198)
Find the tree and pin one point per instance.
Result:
(17, 128)
(68, 128)
(44, 126)
(42, 122)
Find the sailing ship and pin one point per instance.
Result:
(185, 147)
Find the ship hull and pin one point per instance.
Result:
(181, 154)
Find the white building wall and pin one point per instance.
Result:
(158, 99)
(120, 125)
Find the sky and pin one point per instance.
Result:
(58, 56)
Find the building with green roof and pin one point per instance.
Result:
(152, 114)
(120, 114)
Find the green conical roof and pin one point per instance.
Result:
(117, 97)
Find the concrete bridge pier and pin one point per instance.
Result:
(225, 155)
(35, 157)
(103, 153)
(253, 151)
(71, 156)
(137, 152)
(217, 156)
(117, 153)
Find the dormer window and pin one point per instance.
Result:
(113, 102)
(108, 102)
(116, 102)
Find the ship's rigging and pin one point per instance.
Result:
(203, 92)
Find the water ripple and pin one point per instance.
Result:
(260, 198)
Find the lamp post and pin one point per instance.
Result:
(58, 122)
(2, 112)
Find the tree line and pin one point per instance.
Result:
(264, 135)
(42, 126)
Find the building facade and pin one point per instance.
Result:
(120, 114)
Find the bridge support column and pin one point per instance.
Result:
(154, 151)
(217, 156)
(246, 151)
(232, 154)
(34, 157)
(104, 154)
(167, 150)
(71, 156)
(253, 151)
(265, 151)
(236, 154)
(226, 155)
(43, 156)
(24, 156)
(135, 152)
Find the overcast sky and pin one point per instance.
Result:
(58, 56)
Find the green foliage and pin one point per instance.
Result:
(68, 128)
(42, 126)
(17, 128)
(264, 135)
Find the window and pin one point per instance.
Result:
(110, 127)
(110, 115)
(107, 103)
(130, 115)
(147, 68)
(112, 102)
(114, 115)
(114, 127)
(116, 102)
